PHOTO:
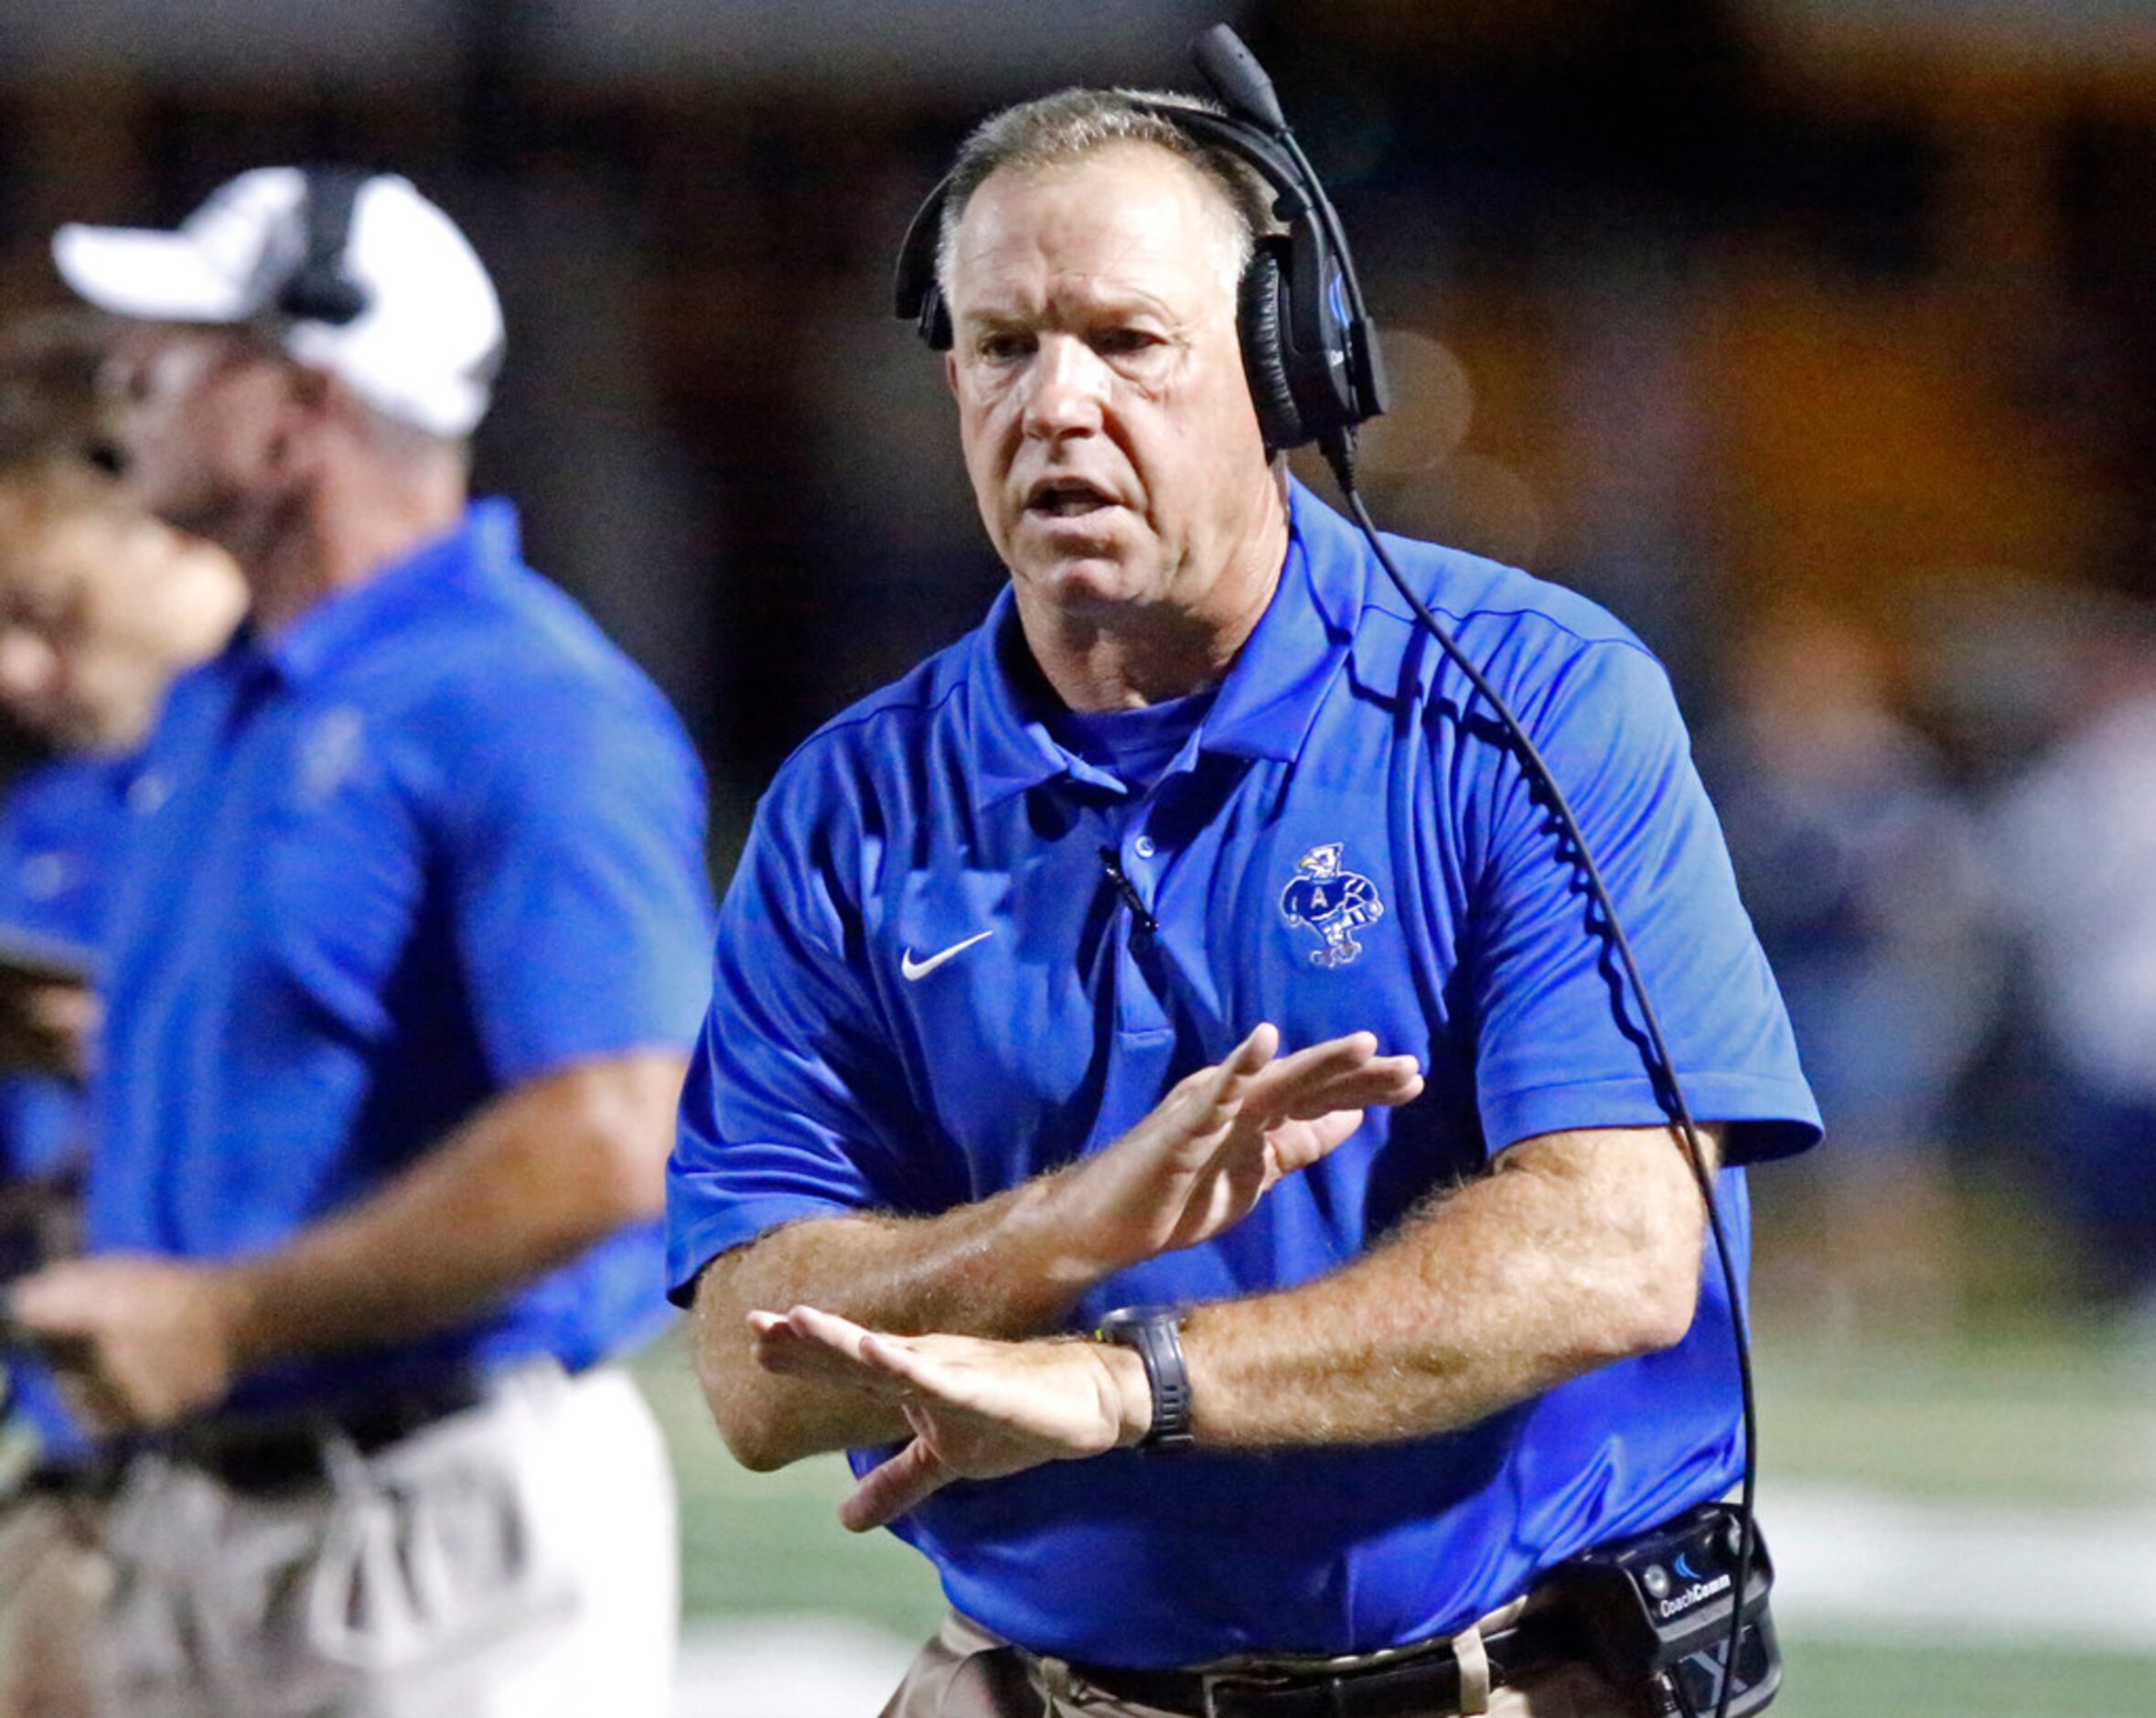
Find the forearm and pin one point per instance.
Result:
(1579, 1249)
(1579, 1252)
(520, 1189)
(1013, 1265)
(1002, 1267)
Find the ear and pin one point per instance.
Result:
(310, 409)
(951, 372)
(311, 390)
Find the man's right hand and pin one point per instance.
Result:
(1198, 1164)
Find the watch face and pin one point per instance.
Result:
(1127, 1318)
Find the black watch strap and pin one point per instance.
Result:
(1156, 1332)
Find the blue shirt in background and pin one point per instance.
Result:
(1344, 842)
(437, 838)
(61, 827)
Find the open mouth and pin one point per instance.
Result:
(1065, 498)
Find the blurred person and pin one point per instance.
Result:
(2077, 833)
(1865, 878)
(406, 952)
(99, 606)
(1171, 959)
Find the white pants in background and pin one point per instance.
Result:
(514, 1559)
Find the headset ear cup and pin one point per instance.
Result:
(915, 294)
(934, 321)
(1262, 320)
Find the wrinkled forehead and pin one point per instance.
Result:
(1128, 213)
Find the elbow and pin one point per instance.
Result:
(1653, 1268)
(1650, 1313)
(752, 1441)
(1665, 1312)
(746, 1402)
(741, 1429)
(629, 1179)
(1635, 1301)
(749, 1421)
(629, 1125)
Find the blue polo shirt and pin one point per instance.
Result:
(1346, 842)
(437, 838)
(60, 830)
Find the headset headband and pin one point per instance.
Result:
(319, 289)
(1307, 340)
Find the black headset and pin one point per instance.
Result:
(319, 289)
(1308, 347)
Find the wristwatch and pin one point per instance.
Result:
(1156, 1333)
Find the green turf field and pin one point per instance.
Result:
(2063, 1425)
(1836, 1679)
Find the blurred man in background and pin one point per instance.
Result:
(408, 945)
(99, 606)
(1862, 869)
(2075, 833)
(1004, 984)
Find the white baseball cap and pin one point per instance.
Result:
(425, 343)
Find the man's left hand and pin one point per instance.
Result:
(144, 1341)
(978, 1409)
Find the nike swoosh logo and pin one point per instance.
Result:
(914, 970)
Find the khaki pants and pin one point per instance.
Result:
(513, 1561)
(53, 1581)
(967, 1673)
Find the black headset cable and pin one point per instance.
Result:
(1338, 448)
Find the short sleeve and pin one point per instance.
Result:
(795, 1104)
(582, 903)
(1559, 1039)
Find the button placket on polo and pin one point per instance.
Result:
(1149, 966)
(1138, 1009)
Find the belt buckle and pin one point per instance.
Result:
(1211, 1684)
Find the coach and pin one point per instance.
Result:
(406, 957)
(1002, 990)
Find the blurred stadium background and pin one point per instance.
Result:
(1816, 337)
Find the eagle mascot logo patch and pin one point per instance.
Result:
(1332, 902)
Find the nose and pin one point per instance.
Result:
(30, 668)
(1068, 388)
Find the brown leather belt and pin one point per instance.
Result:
(1411, 1687)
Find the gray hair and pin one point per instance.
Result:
(1055, 130)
